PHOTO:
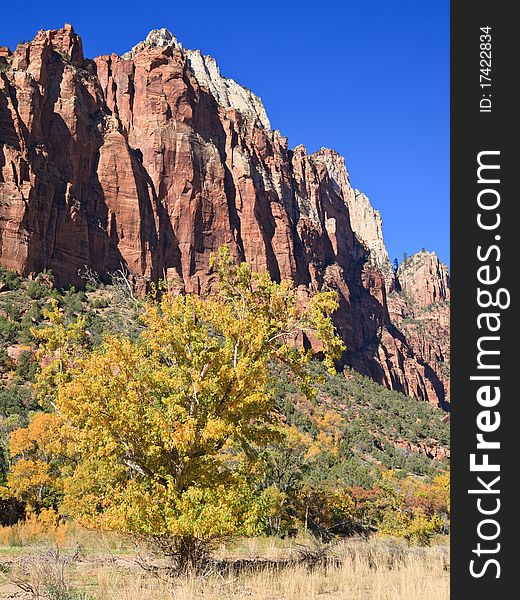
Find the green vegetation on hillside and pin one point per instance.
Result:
(378, 425)
(353, 457)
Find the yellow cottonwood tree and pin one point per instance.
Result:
(166, 426)
(41, 452)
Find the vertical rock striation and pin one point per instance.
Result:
(420, 307)
(152, 160)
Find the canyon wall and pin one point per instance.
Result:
(151, 161)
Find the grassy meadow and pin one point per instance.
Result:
(70, 563)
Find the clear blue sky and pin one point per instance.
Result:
(368, 78)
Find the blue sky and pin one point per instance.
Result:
(368, 78)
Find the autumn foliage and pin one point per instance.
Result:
(159, 436)
(173, 434)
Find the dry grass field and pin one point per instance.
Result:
(78, 565)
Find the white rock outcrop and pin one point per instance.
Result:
(227, 92)
(157, 38)
(365, 220)
(367, 224)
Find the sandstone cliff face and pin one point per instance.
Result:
(152, 160)
(424, 279)
(420, 308)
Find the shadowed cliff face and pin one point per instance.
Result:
(153, 160)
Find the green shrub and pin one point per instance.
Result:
(26, 367)
(37, 290)
(10, 279)
(16, 400)
(72, 301)
(9, 331)
(100, 303)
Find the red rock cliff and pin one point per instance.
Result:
(153, 160)
(420, 307)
